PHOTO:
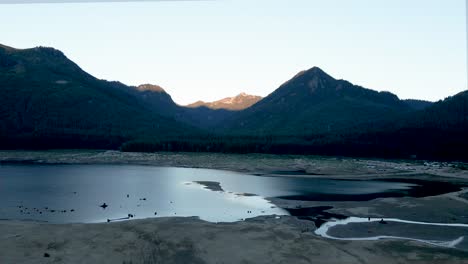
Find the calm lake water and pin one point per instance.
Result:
(74, 193)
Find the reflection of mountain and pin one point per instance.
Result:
(49, 102)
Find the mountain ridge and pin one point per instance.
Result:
(48, 101)
(314, 102)
(236, 103)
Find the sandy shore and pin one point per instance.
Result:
(259, 240)
(189, 240)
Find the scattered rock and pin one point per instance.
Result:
(46, 255)
(382, 221)
(211, 185)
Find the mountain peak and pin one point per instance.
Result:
(150, 88)
(316, 71)
(39, 52)
(49, 52)
(312, 71)
(312, 79)
(238, 102)
(5, 47)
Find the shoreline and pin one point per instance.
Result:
(189, 239)
(256, 164)
(325, 228)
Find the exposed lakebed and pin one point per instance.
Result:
(450, 235)
(77, 193)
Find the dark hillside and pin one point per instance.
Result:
(47, 96)
(313, 103)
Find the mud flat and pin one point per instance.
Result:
(438, 234)
(190, 240)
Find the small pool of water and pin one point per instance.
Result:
(452, 235)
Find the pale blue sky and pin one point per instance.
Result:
(207, 50)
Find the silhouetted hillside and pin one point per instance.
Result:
(418, 104)
(439, 131)
(155, 98)
(48, 101)
(313, 102)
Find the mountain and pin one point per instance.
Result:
(150, 88)
(451, 112)
(48, 101)
(239, 102)
(158, 101)
(418, 104)
(313, 102)
(438, 131)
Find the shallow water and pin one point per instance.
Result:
(73, 193)
(452, 235)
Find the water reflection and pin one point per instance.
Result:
(74, 193)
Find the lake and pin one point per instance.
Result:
(74, 193)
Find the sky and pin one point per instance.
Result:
(208, 50)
